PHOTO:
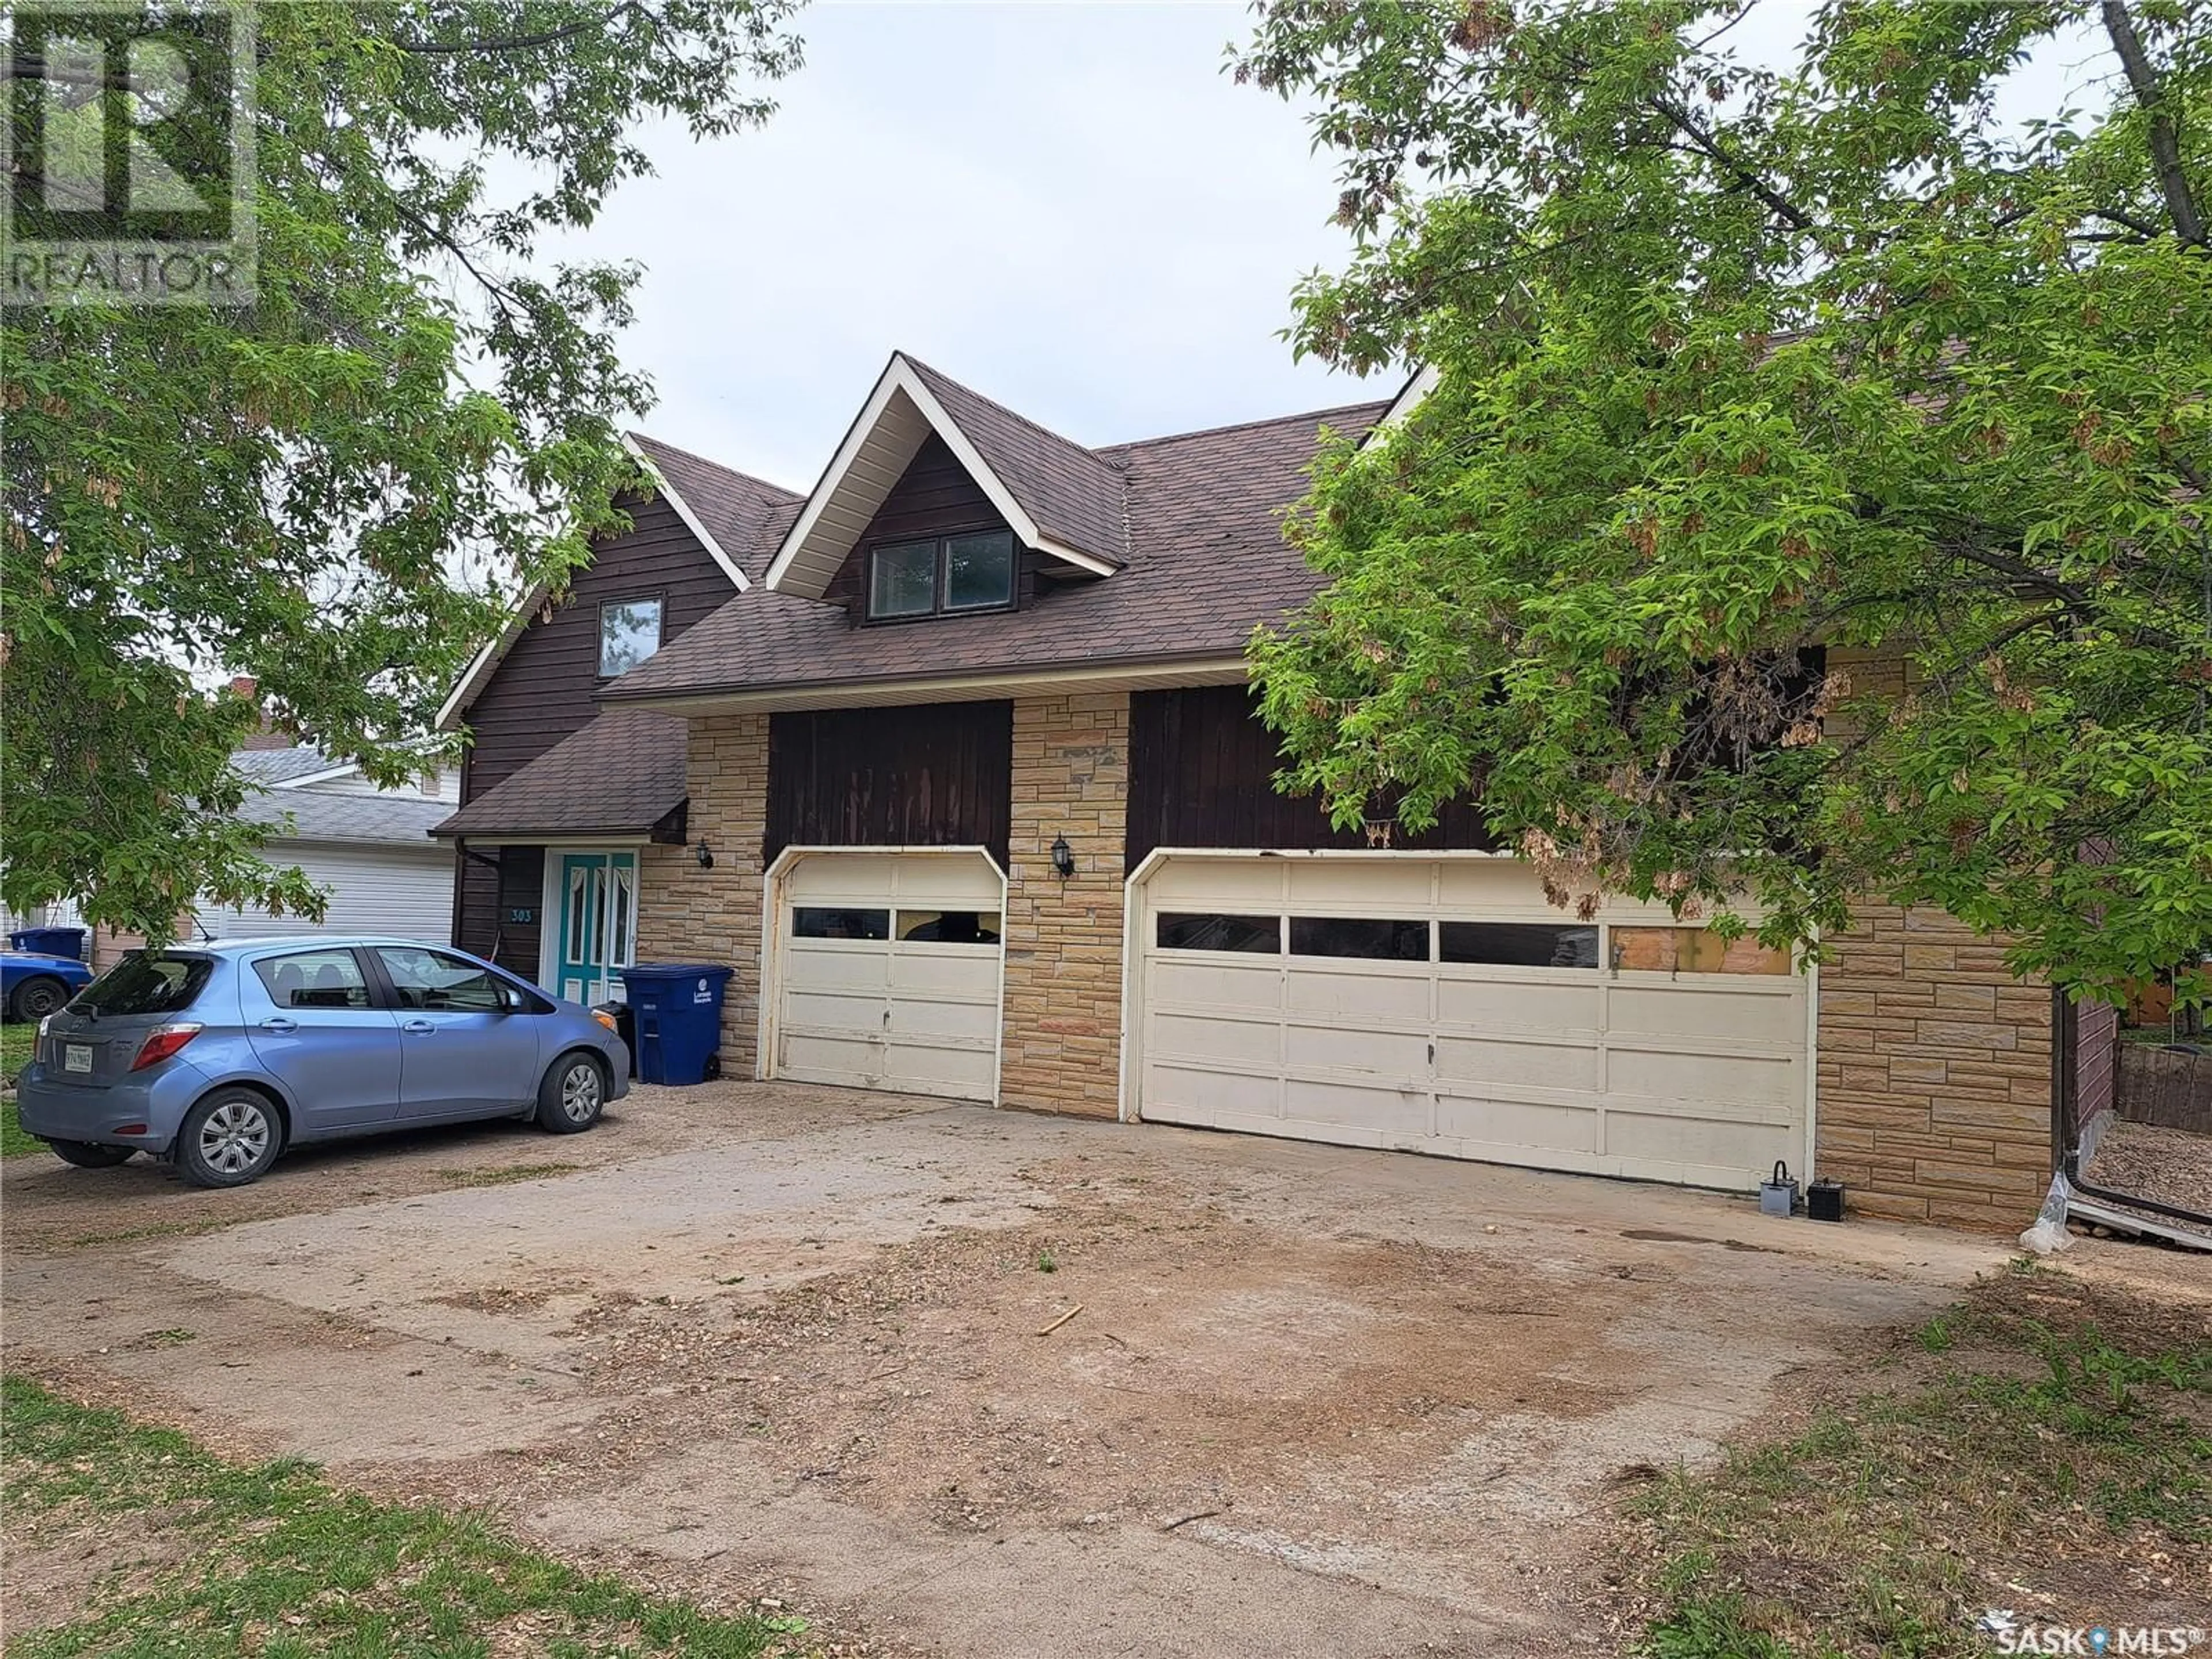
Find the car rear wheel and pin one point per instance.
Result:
(571, 1096)
(89, 1154)
(34, 999)
(229, 1138)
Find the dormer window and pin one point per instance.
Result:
(629, 632)
(948, 574)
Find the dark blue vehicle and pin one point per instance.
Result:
(219, 1056)
(33, 984)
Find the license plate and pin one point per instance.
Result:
(76, 1057)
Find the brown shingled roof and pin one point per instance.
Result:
(1074, 494)
(733, 505)
(1206, 561)
(620, 775)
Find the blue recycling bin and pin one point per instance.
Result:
(678, 1009)
(50, 941)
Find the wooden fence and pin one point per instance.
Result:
(2157, 1086)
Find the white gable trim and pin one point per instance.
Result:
(1405, 402)
(328, 774)
(668, 493)
(808, 536)
(481, 666)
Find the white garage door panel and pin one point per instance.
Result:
(1503, 1122)
(1327, 992)
(918, 1016)
(1529, 1061)
(1691, 1077)
(1533, 1005)
(1773, 1017)
(1222, 1038)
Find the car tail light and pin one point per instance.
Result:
(162, 1042)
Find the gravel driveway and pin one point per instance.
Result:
(972, 1383)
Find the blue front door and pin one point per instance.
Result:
(598, 926)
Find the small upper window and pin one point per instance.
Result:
(629, 632)
(955, 573)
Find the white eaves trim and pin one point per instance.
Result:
(899, 378)
(328, 774)
(669, 494)
(480, 666)
(1405, 402)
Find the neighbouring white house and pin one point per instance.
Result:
(368, 848)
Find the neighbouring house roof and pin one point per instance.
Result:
(729, 511)
(393, 818)
(621, 774)
(272, 767)
(1204, 562)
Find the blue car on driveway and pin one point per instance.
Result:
(33, 984)
(219, 1056)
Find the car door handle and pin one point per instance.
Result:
(419, 1027)
(280, 1026)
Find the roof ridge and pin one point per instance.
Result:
(1009, 412)
(1244, 426)
(719, 466)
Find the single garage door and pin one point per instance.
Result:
(887, 972)
(1442, 1005)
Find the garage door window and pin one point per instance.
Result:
(1694, 951)
(1516, 945)
(1357, 936)
(1205, 930)
(948, 926)
(829, 921)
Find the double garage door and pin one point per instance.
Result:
(887, 971)
(1442, 1005)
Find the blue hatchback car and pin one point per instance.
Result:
(220, 1056)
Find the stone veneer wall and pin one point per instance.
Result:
(1934, 1070)
(1934, 1073)
(1063, 939)
(685, 914)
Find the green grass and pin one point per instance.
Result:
(17, 1043)
(204, 1556)
(2039, 1418)
(504, 1175)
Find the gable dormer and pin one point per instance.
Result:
(941, 503)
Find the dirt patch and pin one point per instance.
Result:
(2166, 1166)
(55, 1561)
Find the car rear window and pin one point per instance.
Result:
(146, 982)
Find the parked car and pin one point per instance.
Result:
(33, 984)
(219, 1056)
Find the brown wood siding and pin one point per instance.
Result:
(935, 497)
(936, 774)
(480, 918)
(541, 690)
(1201, 773)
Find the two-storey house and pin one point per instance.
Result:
(953, 761)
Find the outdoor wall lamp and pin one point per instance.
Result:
(1062, 858)
(704, 854)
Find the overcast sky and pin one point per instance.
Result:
(1069, 208)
